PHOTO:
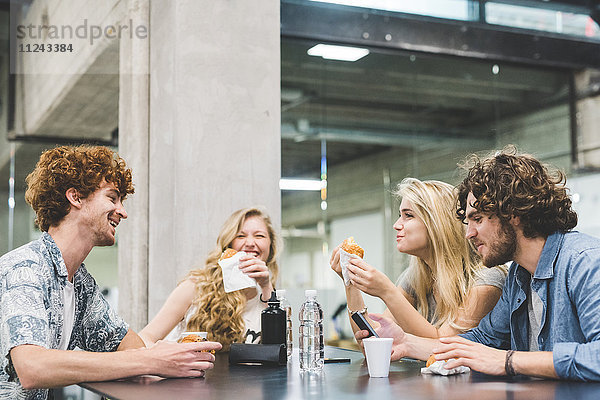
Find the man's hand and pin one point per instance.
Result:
(470, 354)
(387, 328)
(369, 279)
(38, 367)
(178, 360)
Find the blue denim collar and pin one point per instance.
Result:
(545, 266)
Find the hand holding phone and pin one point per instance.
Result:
(363, 324)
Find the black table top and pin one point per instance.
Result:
(339, 381)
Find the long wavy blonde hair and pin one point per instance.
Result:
(455, 262)
(220, 313)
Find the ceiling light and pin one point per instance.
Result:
(288, 94)
(333, 52)
(300, 184)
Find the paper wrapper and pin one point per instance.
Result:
(233, 277)
(344, 261)
(437, 368)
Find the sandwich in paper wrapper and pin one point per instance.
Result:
(233, 277)
(349, 249)
(437, 368)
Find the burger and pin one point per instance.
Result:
(351, 247)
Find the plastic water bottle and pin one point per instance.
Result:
(287, 307)
(311, 334)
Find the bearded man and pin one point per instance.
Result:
(546, 322)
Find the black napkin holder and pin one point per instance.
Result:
(263, 354)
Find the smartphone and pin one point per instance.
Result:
(363, 324)
(336, 360)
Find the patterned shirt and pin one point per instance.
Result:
(32, 280)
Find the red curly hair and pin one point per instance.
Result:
(80, 167)
(518, 185)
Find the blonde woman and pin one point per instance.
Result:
(199, 302)
(445, 290)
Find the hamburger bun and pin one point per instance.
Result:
(351, 247)
(227, 254)
(430, 360)
(192, 338)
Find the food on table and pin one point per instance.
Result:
(192, 338)
(189, 337)
(431, 360)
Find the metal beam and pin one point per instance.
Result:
(381, 138)
(387, 30)
(64, 140)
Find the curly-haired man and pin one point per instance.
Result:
(50, 304)
(546, 322)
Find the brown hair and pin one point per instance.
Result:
(508, 185)
(220, 313)
(79, 167)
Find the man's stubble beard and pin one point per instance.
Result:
(503, 248)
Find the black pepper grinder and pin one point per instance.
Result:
(272, 322)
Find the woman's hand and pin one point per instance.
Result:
(368, 279)
(334, 261)
(387, 328)
(256, 269)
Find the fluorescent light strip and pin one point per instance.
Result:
(300, 184)
(341, 53)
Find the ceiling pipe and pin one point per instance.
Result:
(374, 137)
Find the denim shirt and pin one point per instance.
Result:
(567, 279)
(32, 281)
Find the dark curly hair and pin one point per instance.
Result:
(509, 184)
(79, 167)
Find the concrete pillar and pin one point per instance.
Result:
(134, 92)
(588, 119)
(213, 136)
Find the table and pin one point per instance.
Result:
(339, 381)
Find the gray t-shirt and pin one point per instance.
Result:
(494, 276)
(535, 309)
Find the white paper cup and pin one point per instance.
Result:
(378, 351)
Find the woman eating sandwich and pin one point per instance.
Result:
(200, 303)
(445, 290)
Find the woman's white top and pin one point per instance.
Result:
(251, 317)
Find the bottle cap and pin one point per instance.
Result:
(280, 293)
(273, 299)
(310, 293)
